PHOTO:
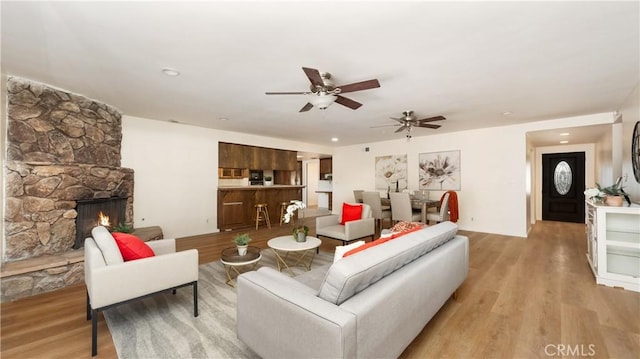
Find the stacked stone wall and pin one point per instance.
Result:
(61, 148)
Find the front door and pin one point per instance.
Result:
(563, 187)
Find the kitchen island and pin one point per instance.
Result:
(236, 204)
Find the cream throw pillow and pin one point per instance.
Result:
(341, 250)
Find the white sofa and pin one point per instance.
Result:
(371, 304)
(111, 281)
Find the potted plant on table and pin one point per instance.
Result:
(613, 195)
(242, 242)
(299, 231)
(267, 180)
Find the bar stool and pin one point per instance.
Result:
(262, 214)
(283, 210)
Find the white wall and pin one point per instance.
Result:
(630, 112)
(176, 172)
(493, 195)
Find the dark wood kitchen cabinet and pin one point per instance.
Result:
(326, 167)
(236, 205)
(231, 155)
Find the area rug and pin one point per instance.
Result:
(163, 326)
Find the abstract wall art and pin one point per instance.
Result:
(439, 170)
(391, 172)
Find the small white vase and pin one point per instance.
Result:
(242, 250)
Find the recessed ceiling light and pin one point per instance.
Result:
(170, 72)
(564, 134)
(563, 142)
(223, 119)
(506, 113)
(334, 139)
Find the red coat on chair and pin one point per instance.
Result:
(453, 205)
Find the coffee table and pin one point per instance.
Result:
(232, 261)
(287, 245)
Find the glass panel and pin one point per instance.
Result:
(562, 177)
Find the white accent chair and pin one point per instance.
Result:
(357, 195)
(401, 209)
(111, 281)
(379, 214)
(330, 227)
(443, 215)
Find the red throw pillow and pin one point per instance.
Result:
(132, 247)
(351, 212)
(380, 241)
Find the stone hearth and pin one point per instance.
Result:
(61, 148)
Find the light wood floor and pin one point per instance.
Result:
(520, 298)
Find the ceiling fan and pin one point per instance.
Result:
(408, 121)
(324, 92)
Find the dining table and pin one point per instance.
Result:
(422, 204)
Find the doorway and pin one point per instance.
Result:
(312, 178)
(563, 181)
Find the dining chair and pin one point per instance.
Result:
(357, 195)
(401, 208)
(373, 200)
(443, 215)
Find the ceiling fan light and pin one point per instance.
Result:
(322, 101)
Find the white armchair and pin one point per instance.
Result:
(330, 227)
(111, 281)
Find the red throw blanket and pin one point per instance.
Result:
(453, 205)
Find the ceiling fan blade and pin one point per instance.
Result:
(359, 86)
(426, 125)
(306, 107)
(431, 119)
(348, 102)
(314, 76)
(288, 93)
(400, 129)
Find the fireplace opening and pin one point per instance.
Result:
(107, 212)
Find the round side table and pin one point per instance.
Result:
(232, 261)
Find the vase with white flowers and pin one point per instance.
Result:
(300, 231)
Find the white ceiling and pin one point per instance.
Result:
(467, 61)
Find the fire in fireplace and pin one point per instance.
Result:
(108, 212)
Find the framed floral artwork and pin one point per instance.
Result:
(391, 172)
(439, 170)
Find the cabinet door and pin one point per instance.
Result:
(224, 155)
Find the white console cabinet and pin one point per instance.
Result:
(613, 245)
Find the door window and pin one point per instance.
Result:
(562, 177)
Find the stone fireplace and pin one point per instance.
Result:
(108, 212)
(63, 151)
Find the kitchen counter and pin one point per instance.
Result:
(236, 204)
(259, 187)
(329, 200)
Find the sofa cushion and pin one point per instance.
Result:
(132, 247)
(353, 274)
(351, 212)
(107, 245)
(341, 250)
(380, 241)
